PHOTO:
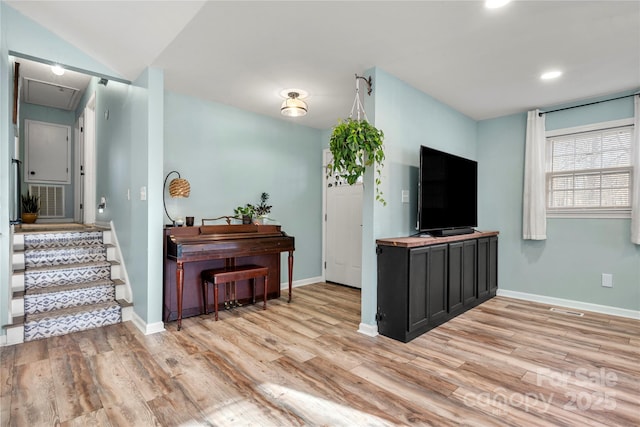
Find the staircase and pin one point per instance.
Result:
(65, 280)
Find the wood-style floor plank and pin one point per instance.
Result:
(75, 391)
(33, 398)
(504, 363)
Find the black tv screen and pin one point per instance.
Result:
(447, 197)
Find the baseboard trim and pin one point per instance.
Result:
(302, 282)
(149, 329)
(596, 308)
(368, 330)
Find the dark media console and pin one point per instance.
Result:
(426, 281)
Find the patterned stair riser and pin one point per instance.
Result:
(66, 276)
(66, 239)
(44, 302)
(61, 325)
(43, 257)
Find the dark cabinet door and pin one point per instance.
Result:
(493, 265)
(483, 264)
(427, 286)
(418, 288)
(455, 277)
(469, 281)
(437, 293)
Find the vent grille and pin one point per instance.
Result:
(51, 200)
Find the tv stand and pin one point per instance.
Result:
(452, 232)
(424, 282)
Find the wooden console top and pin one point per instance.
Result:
(410, 242)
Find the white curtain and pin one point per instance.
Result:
(635, 186)
(534, 213)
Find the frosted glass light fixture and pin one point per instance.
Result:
(293, 106)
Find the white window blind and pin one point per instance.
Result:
(590, 171)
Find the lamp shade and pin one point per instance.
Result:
(293, 107)
(179, 187)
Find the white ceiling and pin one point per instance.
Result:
(483, 63)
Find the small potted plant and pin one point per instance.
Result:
(30, 208)
(245, 213)
(262, 210)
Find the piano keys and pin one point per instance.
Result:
(189, 250)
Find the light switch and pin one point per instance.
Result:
(405, 196)
(143, 193)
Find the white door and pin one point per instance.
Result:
(343, 247)
(48, 151)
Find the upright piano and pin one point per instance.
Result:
(189, 250)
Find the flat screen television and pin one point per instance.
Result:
(447, 193)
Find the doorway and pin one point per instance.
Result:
(343, 229)
(60, 100)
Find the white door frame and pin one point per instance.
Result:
(325, 155)
(89, 202)
(78, 176)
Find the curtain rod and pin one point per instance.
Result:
(589, 103)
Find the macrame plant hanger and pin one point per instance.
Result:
(357, 107)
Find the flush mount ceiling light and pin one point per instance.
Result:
(494, 4)
(550, 75)
(293, 105)
(57, 69)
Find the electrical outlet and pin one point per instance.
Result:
(405, 196)
(607, 280)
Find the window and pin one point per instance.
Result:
(589, 171)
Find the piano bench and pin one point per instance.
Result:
(219, 276)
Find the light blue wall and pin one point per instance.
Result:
(57, 116)
(409, 118)
(570, 262)
(129, 153)
(231, 156)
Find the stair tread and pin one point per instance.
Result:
(70, 287)
(68, 266)
(70, 311)
(124, 303)
(102, 246)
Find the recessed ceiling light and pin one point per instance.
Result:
(549, 75)
(57, 69)
(494, 4)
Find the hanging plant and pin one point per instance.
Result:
(355, 146)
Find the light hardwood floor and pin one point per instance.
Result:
(506, 362)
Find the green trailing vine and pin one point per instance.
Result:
(356, 145)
